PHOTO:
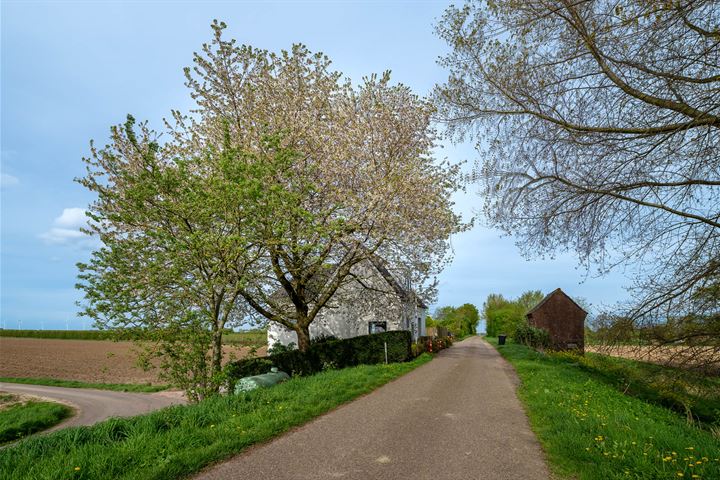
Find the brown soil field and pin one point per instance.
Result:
(699, 357)
(83, 360)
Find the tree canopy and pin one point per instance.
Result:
(599, 129)
(461, 321)
(503, 316)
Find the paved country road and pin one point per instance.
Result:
(94, 406)
(456, 417)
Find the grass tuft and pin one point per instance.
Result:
(118, 387)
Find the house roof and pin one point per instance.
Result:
(401, 291)
(557, 291)
(379, 264)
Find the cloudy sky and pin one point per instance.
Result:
(72, 69)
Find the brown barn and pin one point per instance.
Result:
(562, 318)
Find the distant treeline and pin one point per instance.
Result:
(249, 338)
(63, 334)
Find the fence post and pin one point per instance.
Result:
(386, 359)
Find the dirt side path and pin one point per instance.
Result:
(92, 406)
(456, 417)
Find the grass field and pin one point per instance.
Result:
(19, 417)
(61, 334)
(180, 440)
(118, 387)
(591, 429)
(249, 338)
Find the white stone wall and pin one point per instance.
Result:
(352, 310)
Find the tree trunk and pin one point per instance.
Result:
(303, 334)
(216, 354)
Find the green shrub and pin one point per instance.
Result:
(322, 339)
(531, 336)
(248, 367)
(328, 354)
(280, 348)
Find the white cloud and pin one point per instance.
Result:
(71, 218)
(7, 180)
(66, 230)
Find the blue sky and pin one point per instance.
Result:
(72, 69)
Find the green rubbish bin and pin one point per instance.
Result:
(501, 339)
(265, 380)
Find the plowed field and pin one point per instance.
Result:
(83, 360)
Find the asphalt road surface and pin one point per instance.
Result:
(92, 406)
(456, 417)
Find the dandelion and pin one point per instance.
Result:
(77, 469)
(680, 474)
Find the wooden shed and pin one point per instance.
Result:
(562, 318)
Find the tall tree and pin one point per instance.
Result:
(176, 250)
(599, 128)
(366, 184)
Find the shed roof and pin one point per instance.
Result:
(557, 291)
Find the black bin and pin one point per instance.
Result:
(501, 339)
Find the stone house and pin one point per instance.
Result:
(376, 300)
(562, 318)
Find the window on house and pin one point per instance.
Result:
(377, 327)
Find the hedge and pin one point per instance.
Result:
(531, 336)
(349, 352)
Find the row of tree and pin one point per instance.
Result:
(461, 321)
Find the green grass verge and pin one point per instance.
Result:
(591, 430)
(694, 395)
(119, 387)
(180, 440)
(24, 418)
